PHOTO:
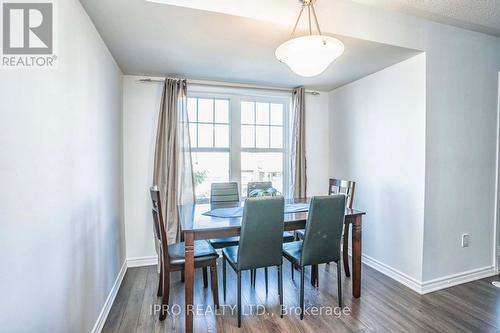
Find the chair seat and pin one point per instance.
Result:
(220, 243)
(293, 251)
(300, 233)
(231, 254)
(288, 237)
(202, 251)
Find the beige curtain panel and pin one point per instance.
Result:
(298, 144)
(173, 171)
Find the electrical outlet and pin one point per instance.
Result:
(465, 240)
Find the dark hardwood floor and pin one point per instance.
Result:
(385, 305)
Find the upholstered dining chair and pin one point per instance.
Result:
(321, 242)
(172, 257)
(260, 243)
(226, 195)
(252, 186)
(346, 187)
(223, 195)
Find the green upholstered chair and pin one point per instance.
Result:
(252, 186)
(223, 195)
(322, 239)
(346, 187)
(260, 242)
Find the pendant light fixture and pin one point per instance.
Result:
(309, 55)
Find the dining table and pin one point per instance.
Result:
(198, 226)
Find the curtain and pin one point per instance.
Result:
(173, 171)
(298, 179)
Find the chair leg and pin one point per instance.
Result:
(215, 287)
(205, 277)
(280, 288)
(345, 253)
(160, 281)
(339, 283)
(239, 299)
(164, 298)
(314, 276)
(265, 273)
(252, 272)
(291, 266)
(224, 276)
(254, 277)
(302, 293)
(182, 276)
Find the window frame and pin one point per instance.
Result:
(235, 97)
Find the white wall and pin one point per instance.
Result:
(377, 127)
(317, 143)
(141, 103)
(140, 109)
(61, 230)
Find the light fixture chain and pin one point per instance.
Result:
(309, 17)
(316, 19)
(297, 22)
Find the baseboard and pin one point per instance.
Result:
(391, 272)
(142, 261)
(426, 287)
(456, 279)
(101, 319)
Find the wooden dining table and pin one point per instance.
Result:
(196, 226)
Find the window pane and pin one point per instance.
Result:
(209, 168)
(192, 134)
(260, 167)
(205, 110)
(191, 107)
(262, 136)
(247, 113)
(276, 137)
(247, 136)
(276, 114)
(262, 113)
(222, 136)
(205, 135)
(221, 111)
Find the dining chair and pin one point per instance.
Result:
(172, 257)
(260, 243)
(252, 186)
(223, 195)
(321, 243)
(346, 187)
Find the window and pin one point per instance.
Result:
(262, 143)
(209, 135)
(237, 138)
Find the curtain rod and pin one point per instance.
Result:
(231, 85)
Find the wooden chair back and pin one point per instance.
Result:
(159, 226)
(346, 187)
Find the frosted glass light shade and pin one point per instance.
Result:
(309, 55)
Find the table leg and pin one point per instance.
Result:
(189, 280)
(356, 257)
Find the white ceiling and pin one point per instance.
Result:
(156, 39)
(478, 15)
